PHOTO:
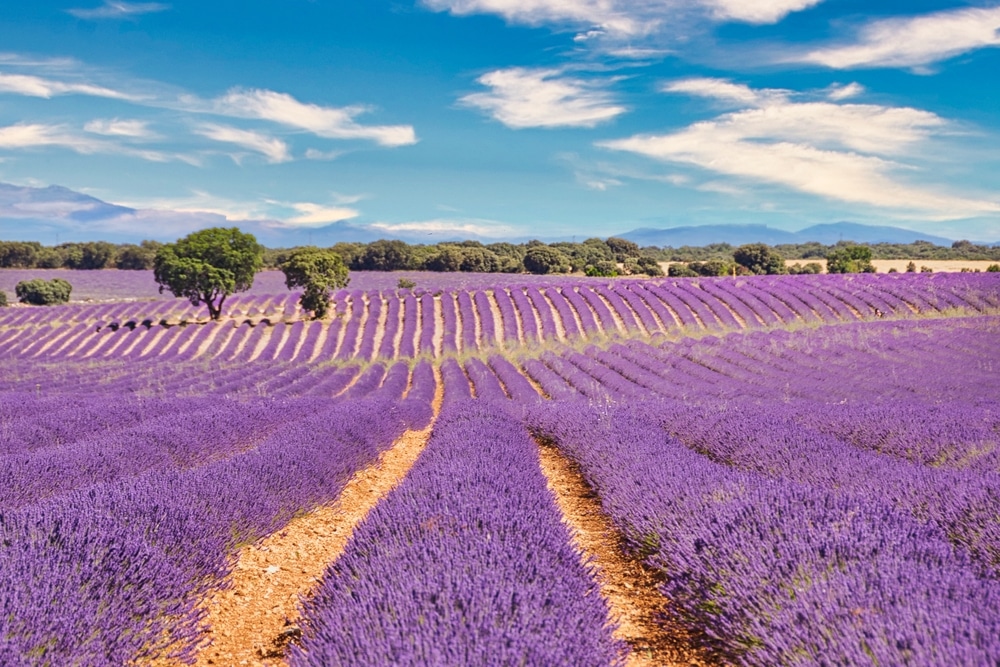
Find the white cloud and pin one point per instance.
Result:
(36, 135)
(756, 11)
(521, 98)
(275, 150)
(449, 227)
(316, 154)
(23, 136)
(116, 127)
(619, 20)
(720, 89)
(318, 215)
(913, 41)
(838, 93)
(846, 152)
(327, 122)
(112, 9)
(35, 86)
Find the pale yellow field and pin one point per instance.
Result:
(939, 265)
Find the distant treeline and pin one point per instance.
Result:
(601, 257)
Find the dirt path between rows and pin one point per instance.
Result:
(253, 620)
(641, 612)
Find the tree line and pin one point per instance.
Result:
(595, 256)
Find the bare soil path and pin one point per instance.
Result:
(641, 612)
(252, 621)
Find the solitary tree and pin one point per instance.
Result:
(759, 259)
(318, 272)
(209, 265)
(38, 292)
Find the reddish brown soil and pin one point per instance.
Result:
(641, 612)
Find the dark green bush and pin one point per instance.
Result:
(40, 292)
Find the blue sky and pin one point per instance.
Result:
(496, 118)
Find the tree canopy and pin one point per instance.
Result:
(542, 259)
(38, 292)
(850, 259)
(759, 259)
(209, 265)
(318, 272)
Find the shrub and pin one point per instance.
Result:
(38, 292)
(993, 268)
(602, 269)
(405, 283)
(3, 299)
(650, 266)
(926, 269)
(678, 270)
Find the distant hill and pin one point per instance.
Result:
(739, 234)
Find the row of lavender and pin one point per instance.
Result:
(912, 358)
(119, 515)
(827, 497)
(391, 325)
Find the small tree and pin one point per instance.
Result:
(850, 259)
(759, 259)
(911, 267)
(650, 266)
(3, 299)
(209, 265)
(38, 292)
(993, 268)
(318, 272)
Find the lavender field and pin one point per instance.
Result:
(806, 469)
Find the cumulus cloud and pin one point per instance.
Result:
(912, 41)
(846, 152)
(327, 122)
(118, 10)
(275, 150)
(756, 11)
(521, 98)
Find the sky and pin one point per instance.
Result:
(323, 120)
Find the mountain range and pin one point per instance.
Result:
(54, 213)
(827, 234)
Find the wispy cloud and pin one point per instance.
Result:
(118, 10)
(275, 150)
(25, 136)
(318, 215)
(327, 122)
(116, 127)
(756, 11)
(913, 42)
(66, 77)
(845, 152)
(35, 86)
(521, 98)
(446, 227)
